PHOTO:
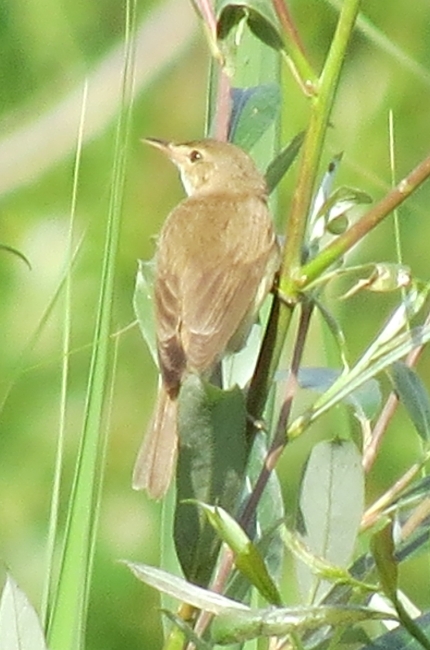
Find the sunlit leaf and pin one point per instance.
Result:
(382, 278)
(143, 303)
(254, 110)
(19, 625)
(246, 555)
(182, 590)
(332, 505)
(211, 468)
(413, 394)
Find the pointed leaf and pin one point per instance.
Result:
(19, 625)
(246, 555)
(414, 396)
(211, 468)
(283, 161)
(382, 546)
(254, 111)
(182, 590)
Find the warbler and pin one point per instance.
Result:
(215, 262)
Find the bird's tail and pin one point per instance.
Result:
(156, 458)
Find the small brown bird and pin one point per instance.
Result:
(215, 262)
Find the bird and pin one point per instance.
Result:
(215, 261)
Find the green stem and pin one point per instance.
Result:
(294, 49)
(322, 104)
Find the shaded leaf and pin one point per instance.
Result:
(258, 14)
(182, 590)
(413, 394)
(254, 110)
(365, 399)
(19, 625)
(382, 546)
(211, 468)
(283, 161)
(246, 555)
(332, 504)
(143, 303)
(234, 627)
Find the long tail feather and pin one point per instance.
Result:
(156, 458)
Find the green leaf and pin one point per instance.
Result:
(182, 590)
(389, 346)
(259, 15)
(254, 110)
(246, 555)
(236, 627)
(283, 161)
(382, 546)
(19, 625)
(143, 303)
(332, 504)
(211, 468)
(413, 394)
(365, 399)
(320, 566)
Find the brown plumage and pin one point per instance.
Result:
(215, 262)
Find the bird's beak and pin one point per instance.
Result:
(171, 150)
(163, 145)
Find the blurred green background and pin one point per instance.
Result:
(47, 51)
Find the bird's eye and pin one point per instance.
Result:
(195, 156)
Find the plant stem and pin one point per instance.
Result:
(372, 218)
(322, 104)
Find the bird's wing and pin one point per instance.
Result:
(221, 295)
(207, 279)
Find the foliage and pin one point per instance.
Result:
(308, 481)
